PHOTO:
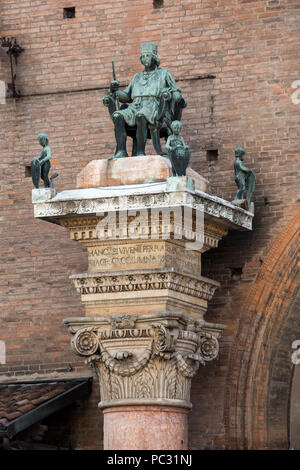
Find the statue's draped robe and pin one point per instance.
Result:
(145, 91)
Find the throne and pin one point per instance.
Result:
(168, 111)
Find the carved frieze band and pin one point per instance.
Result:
(84, 229)
(156, 361)
(213, 206)
(196, 287)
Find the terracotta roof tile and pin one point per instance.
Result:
(18, 398)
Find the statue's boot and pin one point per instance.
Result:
(156, 141)
(121, 136)
(141, 135)
(118, 154)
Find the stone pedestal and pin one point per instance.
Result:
(43, 194)
(131, 171)
(145, 299)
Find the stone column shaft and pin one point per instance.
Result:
(145, 428)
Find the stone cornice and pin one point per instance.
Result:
(127, 320)
(133, 281)
(89, 202)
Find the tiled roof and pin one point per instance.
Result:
(19, 399)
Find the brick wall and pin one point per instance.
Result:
(252, 47)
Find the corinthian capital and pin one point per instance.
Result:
(147, 359)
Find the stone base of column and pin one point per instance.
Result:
(145, 428)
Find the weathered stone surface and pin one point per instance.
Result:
(180, 183)
(43, 194)
(131, 170)
(201, 184)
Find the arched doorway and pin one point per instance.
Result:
(294, 409)
(262, 370)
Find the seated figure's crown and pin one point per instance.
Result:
(149, 47)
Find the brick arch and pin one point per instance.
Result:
(264, 332)
(281, 379)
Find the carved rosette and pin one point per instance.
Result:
(85, 342)
(209, 347)
(148, 361)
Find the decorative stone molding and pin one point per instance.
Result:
(93, 201)
(149, 359)
(90, 283)
(120, 322)
(84, 230)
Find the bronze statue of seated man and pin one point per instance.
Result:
(150, 103)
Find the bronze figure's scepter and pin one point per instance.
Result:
(115, 79)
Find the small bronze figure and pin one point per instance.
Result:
(244, 178)
(178, 151)
(40, 166)
(149, 104)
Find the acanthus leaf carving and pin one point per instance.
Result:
(164, 340)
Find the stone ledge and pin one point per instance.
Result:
(76, 323)
(136, 197)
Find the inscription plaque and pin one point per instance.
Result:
(142, 255)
